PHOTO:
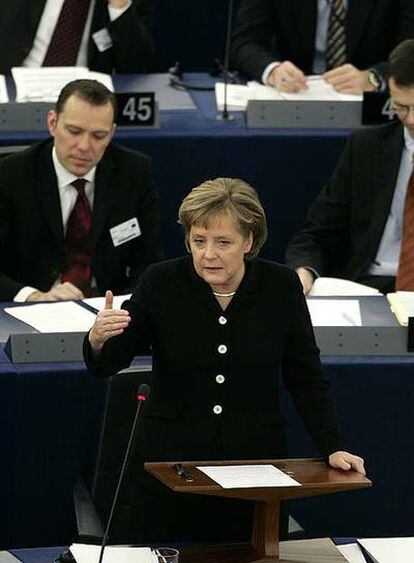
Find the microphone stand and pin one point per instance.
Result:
(225, 115)
(142, 395)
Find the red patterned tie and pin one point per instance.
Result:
(77, 265)
(405, 274)
(64, 46)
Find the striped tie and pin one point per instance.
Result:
(405, 274)
(336, 37)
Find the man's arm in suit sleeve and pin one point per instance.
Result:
(251, 40)
(324, 239)
(133, 49)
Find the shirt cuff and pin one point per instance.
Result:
(22, 295)
(267, 71)
(114, 13)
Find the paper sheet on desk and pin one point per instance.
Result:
(352, 553)
(98, 303)
(334, 312)
(44, 84)
(65, 316)
(112, 554)
(238, 95)
(248, 476)
(389, 550)
(4, 97)
(324, 287)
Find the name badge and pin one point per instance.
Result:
(102, 39)
(125, 231)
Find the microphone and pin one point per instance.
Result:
(142, 395)
(225, 116)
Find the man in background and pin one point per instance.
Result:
(104, 35)
(78, 214)
(278, 42)
(361, 226)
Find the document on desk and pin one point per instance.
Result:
(352, 553)
(65, 316)
(329, 287)
(113, 554)
(334, 312)
(402, 305)
(44, 84)
(389, 550)
(98, 303)
(248, 476)
(4, 97)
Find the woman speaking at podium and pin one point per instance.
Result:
(223, 326)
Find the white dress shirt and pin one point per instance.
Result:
(67, 195)
(47, 26)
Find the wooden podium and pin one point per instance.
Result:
(315, 477)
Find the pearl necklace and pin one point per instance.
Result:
(218, 294)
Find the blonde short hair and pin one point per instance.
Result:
(229, 196)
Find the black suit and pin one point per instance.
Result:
(346, 221)
(132, 49)
(31, 229)
(267, 332)
(269, 30)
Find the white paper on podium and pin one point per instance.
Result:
(326, 287)
(65, 316)
(389, 550)
(44, 84)
(352, 553)
(248, 476)
(4, 97)
(113, 554)
(334, 312)
(98, 303)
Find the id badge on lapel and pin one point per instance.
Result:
(126, 231)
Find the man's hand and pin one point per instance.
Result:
(347, 79)
(109, 322)
(61, 292)
(287, 77)
(118, 3)
(307, 278)
(347, 461)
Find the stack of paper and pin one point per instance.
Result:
(44, 84)
(238, 95)
(402, 305)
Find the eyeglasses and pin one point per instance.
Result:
(400, 109)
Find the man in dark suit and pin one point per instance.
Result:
(105, 35)
(279, 41)
(78, 214)
(361, 225)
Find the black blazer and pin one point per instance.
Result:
(269, 30)
(132, 49)
(346, 221)
(31, 229)
(266, 332)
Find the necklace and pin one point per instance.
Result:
(218, 294)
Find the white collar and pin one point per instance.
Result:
(64, 177)
(409, 142)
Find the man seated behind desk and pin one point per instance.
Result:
(78, 214)
(279, 41)
(361, 226)
(105, 35)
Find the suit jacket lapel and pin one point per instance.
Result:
(358, 17)
(47, 189)
(307, 11)
(385, 173)
(105, 186)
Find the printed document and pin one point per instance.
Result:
(248, 476)
(327, 287)
(334, 312)
(113, 554)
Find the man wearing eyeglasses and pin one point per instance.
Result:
(361, 226)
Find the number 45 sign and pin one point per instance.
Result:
(137, 109)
